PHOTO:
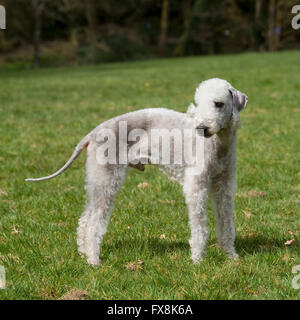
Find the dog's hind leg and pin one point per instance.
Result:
(81, 229)
(101, 197)
(103, 183)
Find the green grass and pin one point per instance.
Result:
(45, 113)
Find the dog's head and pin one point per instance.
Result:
(217, 106)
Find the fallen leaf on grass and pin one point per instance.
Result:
(247, 214)
(255, 193)
(162, 236)
(251, 193)
(134, 265)
(174, 255)
(170, 201)
(15, 230)
(62, 224)
(293, 232)
(12, 257)
(70, 188)
(74, 295)
(260, 110)
(2, 192)
(289, 242)
(273, 95)
(143, 185)
(167, 201)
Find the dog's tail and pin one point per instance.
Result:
(81, 145)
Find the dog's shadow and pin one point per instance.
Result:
(156, 245)
(259, 243)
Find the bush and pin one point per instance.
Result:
(111, 48)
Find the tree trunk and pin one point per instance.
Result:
(38, 12)
(186, 13)
(181, 44)
(278, 23)
(258, 4)
(164, 27)
(90, 12)
(258, 27)
(271, 33)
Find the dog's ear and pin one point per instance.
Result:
(239, 99)
(191, 110)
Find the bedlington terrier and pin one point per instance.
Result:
(214, 120)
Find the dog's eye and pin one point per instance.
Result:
(219, 105)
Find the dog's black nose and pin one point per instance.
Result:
(205, 130)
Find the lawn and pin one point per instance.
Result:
(145, 253)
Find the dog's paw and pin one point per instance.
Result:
(233, 256)
(81, 255)
(93, 262)
(197, 259)
(81, 251)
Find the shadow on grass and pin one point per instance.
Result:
(259, 243)
(155, 245)
(263, 243)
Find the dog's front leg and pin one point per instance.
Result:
(196, 202)
(223, 204)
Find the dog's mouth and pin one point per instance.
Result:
(206, 132)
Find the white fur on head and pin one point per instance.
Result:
(208, 114)
(214, 86)
(218, 87)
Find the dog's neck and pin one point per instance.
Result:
(225, 140)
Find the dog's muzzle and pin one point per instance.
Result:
(205, 129)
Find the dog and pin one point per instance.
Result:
(214, 118)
